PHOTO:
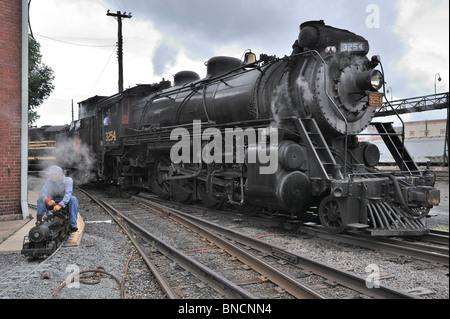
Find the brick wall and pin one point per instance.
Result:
(10, 106)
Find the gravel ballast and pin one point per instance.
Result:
(104, 246)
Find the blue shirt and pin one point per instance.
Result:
(62, 189)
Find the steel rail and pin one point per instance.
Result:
(438, 237)
(415, 250)
(342, 277)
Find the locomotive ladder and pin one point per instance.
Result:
(395, 145)
(318, 147)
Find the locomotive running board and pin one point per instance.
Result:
(389, 220)
(74, 238)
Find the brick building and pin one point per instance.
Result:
(10, 108)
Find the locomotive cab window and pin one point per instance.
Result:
(107, 117)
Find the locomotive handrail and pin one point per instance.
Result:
(187, 125)
(399, 117)
(332, 102)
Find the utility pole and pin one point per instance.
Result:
(119, 17)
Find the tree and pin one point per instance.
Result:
(40, 78)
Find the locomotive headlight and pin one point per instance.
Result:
(370, 80)
(376, 80)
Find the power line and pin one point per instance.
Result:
(102, 4)
(103, 71)
(126, 7)
(119, 6)
(78, 44)
(29, 22)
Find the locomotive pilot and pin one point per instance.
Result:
(57, 192)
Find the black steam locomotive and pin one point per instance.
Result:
(48, 234)
(274, 134)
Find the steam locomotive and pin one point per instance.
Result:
(44, 238)
(272, 134)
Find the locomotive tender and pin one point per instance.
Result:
(315, 101)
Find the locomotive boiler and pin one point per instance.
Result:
(278, 135)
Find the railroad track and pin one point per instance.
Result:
(160, 248)
(329, 273)
(442, 175)
(239, 246)
(433, 247)
(282, 285)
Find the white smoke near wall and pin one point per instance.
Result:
(75, 158)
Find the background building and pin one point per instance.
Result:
(424, 140)
(10, 108)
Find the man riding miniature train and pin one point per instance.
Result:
(57, 192)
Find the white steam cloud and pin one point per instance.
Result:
(74, 157)
(304, 86)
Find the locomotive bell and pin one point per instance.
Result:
(250, 58)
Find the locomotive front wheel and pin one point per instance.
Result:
(248, 210)
(209, 200)
(183, 191)
(330, 215)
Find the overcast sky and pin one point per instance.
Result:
(163, 37)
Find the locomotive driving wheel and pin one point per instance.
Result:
(330, 215)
